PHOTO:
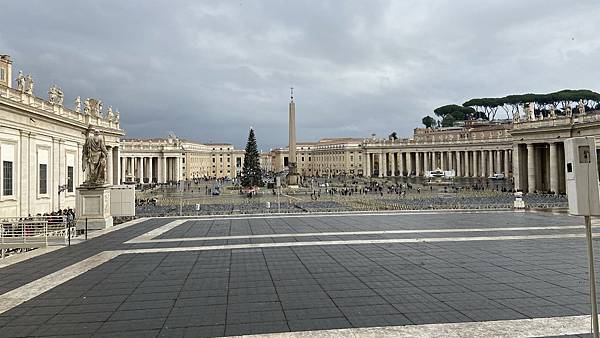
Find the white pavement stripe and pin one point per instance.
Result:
(354, 242)
(537, 327)
(148, 239)
(30, 290)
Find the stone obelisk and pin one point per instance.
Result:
(293, 178)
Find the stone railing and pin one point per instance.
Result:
(62, 112)
(559, 121)
(411, 142)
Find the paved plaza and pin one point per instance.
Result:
(437, 273)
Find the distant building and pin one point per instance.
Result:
(171, 159)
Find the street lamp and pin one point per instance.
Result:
(61, 188)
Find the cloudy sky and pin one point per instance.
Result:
(208, 70)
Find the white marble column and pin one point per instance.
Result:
(516, 159)
(490, 168)
(384, 163)
(530, 168)
(458, 169)
(150, 169)
(123, 169)
(177, 168)
(141, 170)
(367, 172)
(553, 168)
(506, 162)
(109, 165)
(482, 163)
(409, 163)
(393, 163)
(401, 164)
(417, 164)
(498, 161)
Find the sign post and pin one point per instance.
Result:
(584, 199)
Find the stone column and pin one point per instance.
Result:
(123, 169)
(117, 165)
(506, 163)
(177, 168)
(490, 168)
(142, 166)
(498, 161)
(150, 169)
(553, 168)
(474, 163)
(458, 168)
(482, 163)
(109, 165)
(393, 163)
(515, 169)
(384, 163)
(417, 164)
(401, 164)
(530, 168)
(367, 172)
(409, 163)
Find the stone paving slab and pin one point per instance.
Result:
(315, 287)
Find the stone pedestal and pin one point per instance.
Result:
(93, 203)
(293, 178)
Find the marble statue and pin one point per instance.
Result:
(516, 117)
(552, 112)
(29, 84)
(78, 104)
(581, 107)
(568, 111)
(117, 116)
(529, 113)
(20, 82)
(109, 113)
(541, 116)
(60, 97)
(87, 109)
(94, 159)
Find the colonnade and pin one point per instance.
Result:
(150, 169)
(539, 167)
(465, 163)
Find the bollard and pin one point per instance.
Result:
(69, 235)
(86, 228)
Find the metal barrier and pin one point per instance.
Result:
(34, 232)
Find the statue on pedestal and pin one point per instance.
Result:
(581, 107)
(516, 117)
(109, 114)
(94, 159)
(87, 109)
(20, 82)
(29, 85)
(55, 95)
(78, 104)
(529, 112)
(568, 111)
(552, 112)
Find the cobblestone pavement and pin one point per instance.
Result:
(274, 274)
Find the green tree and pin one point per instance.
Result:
(428, 121)
(448, 121)
(251, 173)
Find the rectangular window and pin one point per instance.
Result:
(43, 179)
(7, 180)
(2, 76)
(69, 179)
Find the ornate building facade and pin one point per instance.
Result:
(171, 159)
(41, 144)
